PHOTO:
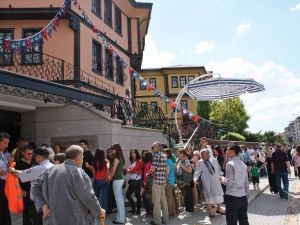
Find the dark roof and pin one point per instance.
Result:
(174, 67)
(141, 4)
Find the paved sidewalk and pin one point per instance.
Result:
(196, 218)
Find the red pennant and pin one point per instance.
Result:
(79, 7)
(131, 70)
(56, 22)
(150, 87)
(172, 104)
(196, 118)
(28, 43)
(45, 35)
(111, 50)
(7, 45)
(94, 29)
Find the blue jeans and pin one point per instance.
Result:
(118, 192)
(101, 188)
(284, 177)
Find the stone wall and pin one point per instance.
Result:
(68, 124)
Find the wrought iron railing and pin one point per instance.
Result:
(140, 115)
(54, 69)
(206, 129)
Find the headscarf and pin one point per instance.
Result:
(207, 163)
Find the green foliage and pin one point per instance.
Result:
(267, 137)
(253, 137)
(203, 109)
(231, 136)
(231, 113)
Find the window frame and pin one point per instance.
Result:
(108, 16)
(172, 84)
(109, 62)
(24, 49)
(144, 106)
(186, 104)
(155, 104)
(98, 6)
(150, 81)
(118, 27)
(189, 78)
(2, 54)
(142, 87)
(96, 43)
(180, 81)
(119, 72)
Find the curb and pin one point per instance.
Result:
(252, 198)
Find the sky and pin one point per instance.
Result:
(236, 38)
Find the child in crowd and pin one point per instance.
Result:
(255, 176)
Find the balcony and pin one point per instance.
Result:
(50, 68)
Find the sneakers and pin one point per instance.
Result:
(286, 195)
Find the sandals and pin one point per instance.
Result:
(222, 212)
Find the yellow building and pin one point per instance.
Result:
(169, 81)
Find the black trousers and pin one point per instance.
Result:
(255, 180)
(30, 215)
(236, 210)
(134, 187)
(187, 193)
(5, 218)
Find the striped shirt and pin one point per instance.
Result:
(159, 164)
(236, 180)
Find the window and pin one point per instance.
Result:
(108, 65)
(190, 78)
(97, 57)
(108, 12)
(118, 20)
(154, 106)
(152, 81)
(96, 7)
(33, 54)
(144, 106)
(182, 81)
(6, 56)
(142, 87)
(174, 82)
(184, 104)
(119, 72)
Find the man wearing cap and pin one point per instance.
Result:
(5, 218)
(32, 174)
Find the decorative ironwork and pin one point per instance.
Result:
(31, 94)
(140, 115)
(58, 70)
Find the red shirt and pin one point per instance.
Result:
(147, 168)
(101, 174)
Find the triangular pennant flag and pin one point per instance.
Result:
(45, 35)
(28, 44)
(131, 70)
(56, 22)
(79, 7)
(111, 49)
(94, 29)
(150, 87)
(196, 118)
(172, 104)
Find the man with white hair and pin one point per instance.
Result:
(65, 193)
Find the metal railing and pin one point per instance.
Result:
(46, 67)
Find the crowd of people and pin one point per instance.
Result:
(86, 185)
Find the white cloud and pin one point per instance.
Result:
(204, 46)
(273, 108)
(296, 8)
(243, 27)
(153, 57)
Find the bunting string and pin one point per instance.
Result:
(17, 44)
(133, 73)
(46, 32)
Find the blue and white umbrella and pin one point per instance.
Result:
(221, 88)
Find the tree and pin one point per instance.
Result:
(231, 113)
(253, 137)
(231, 136)
(203, 109)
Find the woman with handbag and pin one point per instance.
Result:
(208, 170)
(184, 171)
